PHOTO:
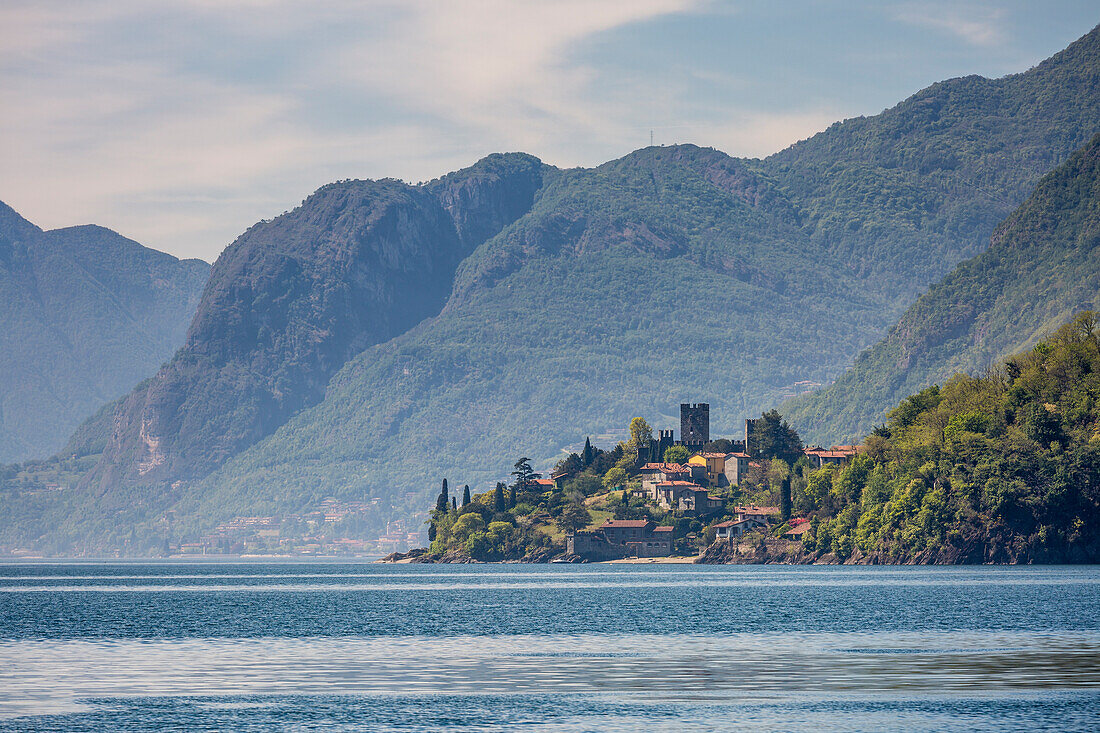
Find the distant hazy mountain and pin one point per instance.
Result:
(85, 314)
(382, 334)
(1042, 266)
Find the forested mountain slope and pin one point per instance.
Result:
(85, 314)
(292, 299)
(1043, 264)
(569, 300)
(904, 195)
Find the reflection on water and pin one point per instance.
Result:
(584, 648)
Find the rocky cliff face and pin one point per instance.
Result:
(85, 314)
(293, 298)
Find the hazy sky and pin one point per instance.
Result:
(181, 123)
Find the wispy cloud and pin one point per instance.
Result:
(980, 25)
(182, 122)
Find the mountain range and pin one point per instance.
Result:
(382, 335)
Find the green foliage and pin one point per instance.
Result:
(614, 478)
(573, 517)
(1039, 268)
(466, 525)
(1004, 467)
(640, 433)
(773, 437)
(676, 454)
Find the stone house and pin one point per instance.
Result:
(669, 493)
(655, 473)
(795, 533)
(734, 468)
(751, 510)
(699, 502)
(621, 538)
(543, 485)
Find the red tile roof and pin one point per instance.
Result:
(662, 529)
(710, 455)
(638, 523)
(737, 455)
(679, 483)
(800, 529)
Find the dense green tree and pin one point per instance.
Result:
(676, 454)
(588, 454)
(442, 502)
(614, 478)
(465, 495)
(524, 475)
(573, 517)
(640, 433)
(785, 498)
(500, 505)
(571, 465)
(773, 437)
(467, 524)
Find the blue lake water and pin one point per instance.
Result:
(363, 647)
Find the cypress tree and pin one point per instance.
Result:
(442, 501)
(512, 498)
(466, 495)
(431, 532)
(586, 454)
(454, 504)
(498, 499)
(785, 498)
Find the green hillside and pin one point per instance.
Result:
(1043, 264)
(603, 300)
(999, 468)
(85, 314)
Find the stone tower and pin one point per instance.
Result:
(695, 424)
(750, 424)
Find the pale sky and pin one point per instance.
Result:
(179, 124)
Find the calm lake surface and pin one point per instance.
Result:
(355, 646)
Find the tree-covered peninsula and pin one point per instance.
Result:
(998, 468)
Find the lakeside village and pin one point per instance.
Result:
(695, 498)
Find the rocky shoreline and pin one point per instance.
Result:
(771, 551)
